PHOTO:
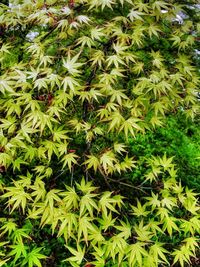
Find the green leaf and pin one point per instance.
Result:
(18, 251)
(78, 254)
(69, 159)
(136, 252)
(33, 258)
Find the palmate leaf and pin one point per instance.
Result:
(169, 202)
(63, 24)
(8, 227)
(71, 198)
(116, 246)
(166, 163)
(87, 204)
(138, 68)
(159, 107)
(45, 60)
(59, 134)
(85, 41)
(39, 191)
(158, 5)
(99, 256)
(55, 111)
(84, 96)
(6, 85)
(36, 212)
(5, 48)
(17, 197)
(170, 224)
(77, 125)
(114, 60)
(127, 164)
(69, 223)
(47, 212)
(115, 118)
(69, 159)
(137, 37)
(154, 30)
(183, 255)
(12, 107)
(106, 221)
(107, 160)
(98, 58)
(83, 19)
(8, 123)
(153, 201)
(143, 232)
(153, 175)
(129, 125)
(119, 148)
(52, 197)
(107, 79)
(118, 96)
(118, 72)
(158, 253)
(78, 255)
(26, 131)
(176, 40)
(50, 147)
(139, 5)
(191, 243)
(41, 83)
(125, 230)
(101, 3)
(157, 59)
(33, 258)
(92, 162)
(54, 80)
(41, 120)
(192, 206)
(85, 186)
(72, 65)
(135, 254)
(36, 49)
(154, 226)
(17, 164)
(108, 203)
(19, 235)
(140, 210)
(96, 236)
(18, 250)
(136, 15)
(96, 34)
(85, 226)
(156, 121)
(5, 159)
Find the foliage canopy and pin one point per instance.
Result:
(79, 80)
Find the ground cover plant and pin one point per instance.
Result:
(91, 93)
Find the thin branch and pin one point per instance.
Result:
(129, 185)
(48, 33)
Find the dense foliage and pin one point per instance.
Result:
(178, 139)
(86, 178)
(161, 228)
